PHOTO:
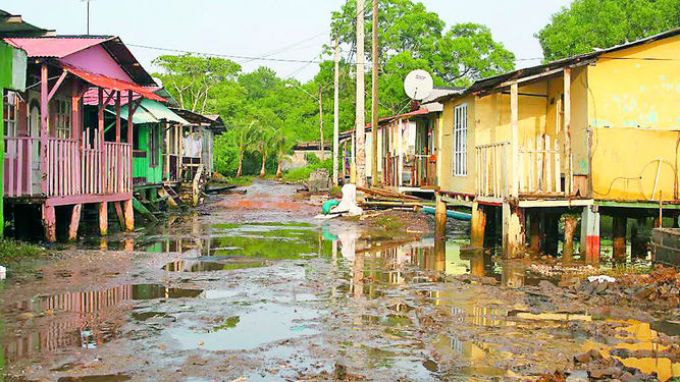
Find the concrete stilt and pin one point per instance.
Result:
(103, 218)
(49, 219)
(619, 238)
(478, 228)
(570, 224)
(129, 215)
(75, 222)
(440, 218)
(590, 235)
(513, 231)
(535, 233)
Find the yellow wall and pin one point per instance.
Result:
(447, 181)
(633, 108)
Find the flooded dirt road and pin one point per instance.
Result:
(252, 288)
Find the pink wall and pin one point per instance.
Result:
(97, 60)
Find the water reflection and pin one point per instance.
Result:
(83, 319)
(639, 348)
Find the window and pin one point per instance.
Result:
(9, 114)
(460, 140)
(63, 119)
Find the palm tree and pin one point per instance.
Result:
(281, 147)
(244, 142)
(264, 146)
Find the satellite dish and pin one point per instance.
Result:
(158, 81)
(418, 85)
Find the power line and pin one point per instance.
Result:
(232, 56)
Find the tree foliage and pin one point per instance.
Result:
(589, 24)
(411, 37)
(266, 114)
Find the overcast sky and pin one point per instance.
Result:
(263, 27)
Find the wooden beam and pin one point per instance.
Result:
(514, 139)
(75, 222)
(118, 122)
(56, 86)
(567, 131)
(44, 132)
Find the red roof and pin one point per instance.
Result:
(114, 84)
(58, 47)
(422, 111)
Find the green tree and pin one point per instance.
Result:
(411, 37)
(244, 136)
(190, 78)
(589, 24)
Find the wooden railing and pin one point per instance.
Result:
(391, 170)
(538, 172)
(492, 164)
(20, 153)
(540, 168)
(74, 167)
(424, 171)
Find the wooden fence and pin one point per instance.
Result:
(74, 167)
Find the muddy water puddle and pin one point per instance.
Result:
(223, 297)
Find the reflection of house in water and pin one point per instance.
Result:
(639, 336)
(80, 319)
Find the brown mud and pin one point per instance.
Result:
(252, 288)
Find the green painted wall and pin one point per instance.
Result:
(9, 58)
(141, 167)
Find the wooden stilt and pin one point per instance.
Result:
(551, 226)
(440, 218)
(570, 223)
(619, 238)
(103, 218)
(477, 264)
(49, 218)
(535, 233)
(478, 228)
(513, 231)
(119, 214)
(129, 215)
(638, 244)
(75, 222)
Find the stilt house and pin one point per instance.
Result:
(596, 133)
(61, 157)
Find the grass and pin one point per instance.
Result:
(298, 175)
(242, 181)
(13, 250)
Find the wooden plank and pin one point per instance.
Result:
(514, 140)
(567, 130)
(548, 165)
(44, 115)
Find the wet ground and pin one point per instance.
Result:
(252, 288)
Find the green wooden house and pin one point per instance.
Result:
(150, 119)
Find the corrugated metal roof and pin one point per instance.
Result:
(491, 82)
(113, 84)
(140, 116)
(160, 111)
(55, 47)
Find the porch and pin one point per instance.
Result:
(53, 159)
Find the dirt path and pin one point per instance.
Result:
(252, 288)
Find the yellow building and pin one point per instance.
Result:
(597, 132)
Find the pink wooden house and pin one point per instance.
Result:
(57, 153)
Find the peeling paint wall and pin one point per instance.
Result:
(633, 110)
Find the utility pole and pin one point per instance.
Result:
(336, 112)
(87, 5)
(374, 99)
(322, 148)
(360, 123)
